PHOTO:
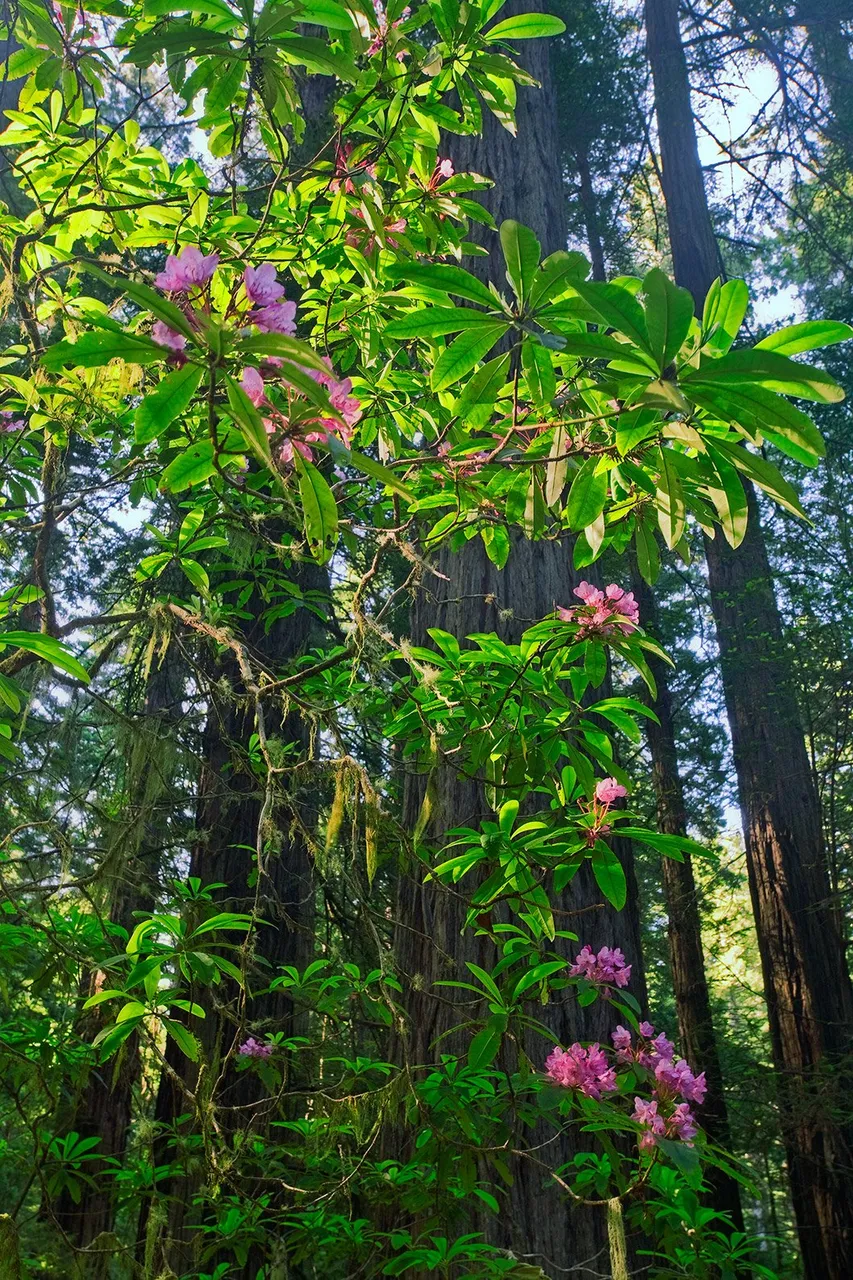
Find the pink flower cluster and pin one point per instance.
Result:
(8, 421)
(608, 790)
(672, 1079)
(679, 1124)
(602, 613)
(303, 427)
(253, 1048)
(191, 270)
(584, 1069)
(606, 969)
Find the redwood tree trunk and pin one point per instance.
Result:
(536, 1221)
(234, 819)
(807, 985)
(686, 953)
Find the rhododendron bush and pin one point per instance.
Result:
(281, 362)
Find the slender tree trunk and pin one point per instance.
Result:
(589, 205)
(537, 1222)
(807, 985)
(824, 21)
(686, 953)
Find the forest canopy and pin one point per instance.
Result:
(425, 661)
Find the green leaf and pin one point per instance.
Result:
(648, 555)
(315, 55)
(384, 474)
(729, 499)
(435, 322)
(48, 648)
(538, 372)
(669, 314)
(197, 575)
(725, 308)
(609, 875)
(684, 1157)
(443, 276)
(522, 252)
(167, 8)
(484, 1047)
(464, 353)
(764, 474)
(556, 272)
(526, 26)
(759, 410)
(807, 336)
(477, 401)
(770, 370)
(184, 1039)
(191, 467)
(587, 495)
(325, 13)
(249, 421)
(91, 350)
(169, 399)
(669, 500)
(319, 509)
(617, 308)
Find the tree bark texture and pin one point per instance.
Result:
(536, 1220)
(686, 953)
(807, 985)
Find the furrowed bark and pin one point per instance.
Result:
(807, 985)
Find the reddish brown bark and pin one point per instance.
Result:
(807, 985)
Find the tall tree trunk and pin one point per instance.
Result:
(249, 837)
(686, 953)
(104, 1106)
(824, 21)
(807, 985)
(474, 596)
(589, 206)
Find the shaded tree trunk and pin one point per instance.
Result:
(807, 986)
(537, 1222)
(686, 953)
(104, 1108)
(249, 838)
(824, 21)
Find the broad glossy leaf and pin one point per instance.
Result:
(587, 495)
(808, 336)
(770, 370)
(609, 875)
(757, 409)
(464, 353)
(725, 308)
(477, 401)
(91, 350)
(319, 509)
(669, 500)
(538, 372)
(618, 308)
(728, 498)
(166, 402)
(435, 322)
(48, 648)
(443, 276)
(191, 467)
(764, 474)
(522, 252)
(669, 314)
(526, 26)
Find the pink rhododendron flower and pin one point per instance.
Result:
(609, 790)
(276, 317)
(253, 1048)
(188, 270)
(166, 337)
(287, 447)
(253, 385)
(444, 169)
(606, 969)
(345, 171)
(602, 613)
(261, 284)
(8, 421)
(621, 1038)
(683, 1123)
(646, 1114)
(677, 1078)
(584, 1069)
(364, 238)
